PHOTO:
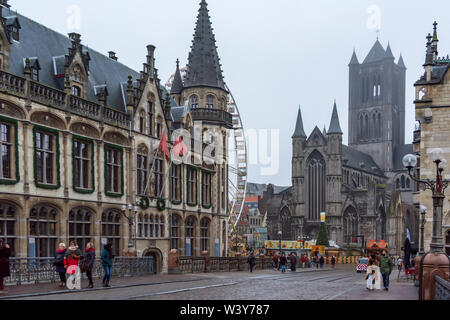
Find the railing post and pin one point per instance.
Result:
(174, 262)
(207, 259)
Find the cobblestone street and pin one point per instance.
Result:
(342, 283)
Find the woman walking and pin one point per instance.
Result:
(373, 276)
(88, 261)
(107, 257)
(5, 253)
(71, 263)
(59, 263)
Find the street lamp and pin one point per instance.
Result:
(280, 233)
(423, 212)
(435, 261)
(130, 219)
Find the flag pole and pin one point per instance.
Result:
(167, 178)
(151, 170)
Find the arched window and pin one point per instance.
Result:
(403, 182)
(373, 133)
(146, 226)
(159, 127)
(379, 134)
(43, 230)
(366, 126)
(286, 224)
(316, 185)
(156, 226)
(8, 220)
(194, 101)
(204, 234)
(361, 127)
(408, 183)
(151, 113)
(76, 91)
(111, 229)
(162, 222)
(210, 102)
(397, 183)
(350, 224)
(190, 235)
(80, 227)
(142, 171)
(140, 226)
(142, 122)
(158, 174)
(175, 223)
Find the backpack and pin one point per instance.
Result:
(59, 260)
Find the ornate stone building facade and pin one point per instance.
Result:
(362, 187)
(79, 134)
(433, 131)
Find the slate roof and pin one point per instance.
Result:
(50, 48)
(377, 53)
(399, 153)
(359, 160)
(256, 189)
(177, 85)
(437, 75)
(204, 67)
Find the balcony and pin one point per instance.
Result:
(213, 116)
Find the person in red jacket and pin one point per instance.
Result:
(71, 263)
(303, 261)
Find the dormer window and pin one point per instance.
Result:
(35, 74)
(14, 33)
(76, 91)
(76, 74)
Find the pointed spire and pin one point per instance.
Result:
(335, 127)
(389, 54)
(429, 55)
(204, 67)
(299, 131)
(177, 85)
(401, 63)
(354, 59)
(377, 53)
(435, 37)
(324, 132)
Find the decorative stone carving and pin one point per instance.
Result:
(48, 119)
(9, 109)
(85, 130)
(116, 138)
(142, 149)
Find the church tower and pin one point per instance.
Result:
(377, 105)
(298, 160)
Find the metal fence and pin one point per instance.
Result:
(441, 288)
(41, 270)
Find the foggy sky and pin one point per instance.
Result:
(276, 55)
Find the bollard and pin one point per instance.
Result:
(205, 255)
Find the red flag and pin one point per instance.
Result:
(164, 148)
(179, 148)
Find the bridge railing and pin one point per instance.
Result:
(441, 288)
(42, 270)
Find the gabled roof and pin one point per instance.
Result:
(359, 160)
(299, 131)
(204, 67)
(50, 47)
(377, 53)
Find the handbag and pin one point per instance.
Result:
(83, 266)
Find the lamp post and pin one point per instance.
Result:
(435, 261)
(130, 217)
(423, 212)
(280, 233)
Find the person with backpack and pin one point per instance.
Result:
(283, 262)
(321, 261)
(107, 257)
(88, 262)
(5, 253)
(59, 263)
(333, 262)
(72, 264)
(251, 261)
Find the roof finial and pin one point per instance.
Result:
(378, 33)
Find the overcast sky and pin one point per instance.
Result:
(276, 55)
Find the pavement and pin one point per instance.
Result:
(342, 283)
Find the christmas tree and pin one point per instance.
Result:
(322, 237)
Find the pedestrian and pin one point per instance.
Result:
(293, 262)
(283, 262)
(313, 261)
(303, 261)
(107, 257)
(316, 261)
(321, 261)
(386, 267)
(373, 272)
(251, 261)
(275, 261)
(333, 262)
(88, 262)
(59, 263)
(72, 264)
(5, 253)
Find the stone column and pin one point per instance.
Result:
(205, 255)
(174, 262)
(26, 155)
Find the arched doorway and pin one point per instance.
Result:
(157, 259)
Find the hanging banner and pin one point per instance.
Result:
(286, 245)
(322, 216)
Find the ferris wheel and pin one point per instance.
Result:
(237, 155)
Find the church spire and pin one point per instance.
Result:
(354, 59)
(299, 131)
(204, 67)
(389, 54)
(401, 63)
(335, 127)
(177, 85)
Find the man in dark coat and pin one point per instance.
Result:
(251, 261)
(5, 253)
(293, 262)
(59, 263)
(386, 266)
